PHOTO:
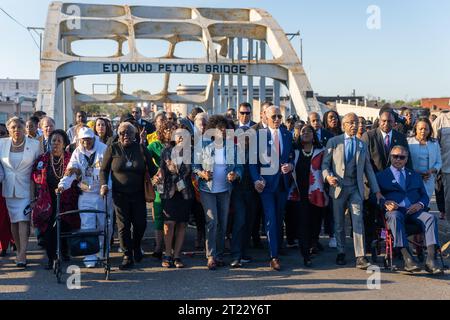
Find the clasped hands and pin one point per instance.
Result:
(392, 206)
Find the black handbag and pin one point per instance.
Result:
(84, 245)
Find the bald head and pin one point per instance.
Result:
(314, 120)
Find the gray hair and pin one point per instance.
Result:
(46, 118)
(15, 120)
(402, 148)
(127, 125)
(348, 115)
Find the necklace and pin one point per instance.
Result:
(59, 171)
(19, 145)
(128, 164)
(308, 154)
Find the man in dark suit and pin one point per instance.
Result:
(244, 119)
(323, 134)
(405, 199)
(380, 142)
(137, 115)
(188, 122)
(271, 178)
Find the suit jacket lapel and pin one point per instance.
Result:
(340, 149)
(381, 149)
(26, 152)
(6, 151)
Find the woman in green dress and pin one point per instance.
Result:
(163, 136)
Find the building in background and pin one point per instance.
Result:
(436, 104)
(17, 98)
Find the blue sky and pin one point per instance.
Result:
(408, 58)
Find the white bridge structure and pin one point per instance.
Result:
(223, 34)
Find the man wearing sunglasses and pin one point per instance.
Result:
(405, 201)
(245, 116)
(273, 187)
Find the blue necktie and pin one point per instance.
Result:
(349, 150)
(402, 180)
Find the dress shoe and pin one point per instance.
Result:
(49, 265)
(236, 264)
(431, 267)
(246, 259)
(410, 265)
(157, 255)
(319, 246)
(340, 259)
(138, 256)
(127, 264)
(21, 265)
(220, 263)
(292, 244)
(362, 263)
(332, 243)
(307, 262)
(275, 264)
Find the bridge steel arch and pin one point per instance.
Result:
(220, 31)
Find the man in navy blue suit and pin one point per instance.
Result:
(271, 179)
(405, 200)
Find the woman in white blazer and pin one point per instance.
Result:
(18, 154)
(425, 154)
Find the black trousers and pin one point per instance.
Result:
(291, 220)
(199, 217)
(439, 191)
(131, 211)
(50, 237)
(309, 224)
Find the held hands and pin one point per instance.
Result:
(260, 185)
(332, 181)
(104, 190)
(157, 178)
(286, 168)
(205, 175)
(231, 176)
(172, 167)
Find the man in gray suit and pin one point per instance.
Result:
(345, 163)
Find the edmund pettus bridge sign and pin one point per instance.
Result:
(222, 33)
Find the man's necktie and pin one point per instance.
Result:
(387, 144)
(276, 140)
(402, 180)
(349, 152)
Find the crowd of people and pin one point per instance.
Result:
(324, 169)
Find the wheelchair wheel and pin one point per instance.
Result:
(107, 272)
(58, 271)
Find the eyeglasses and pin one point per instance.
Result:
(276, 116)
(398, 157)
(124, 133)
(244, 113)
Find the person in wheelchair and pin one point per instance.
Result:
(405, 201)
